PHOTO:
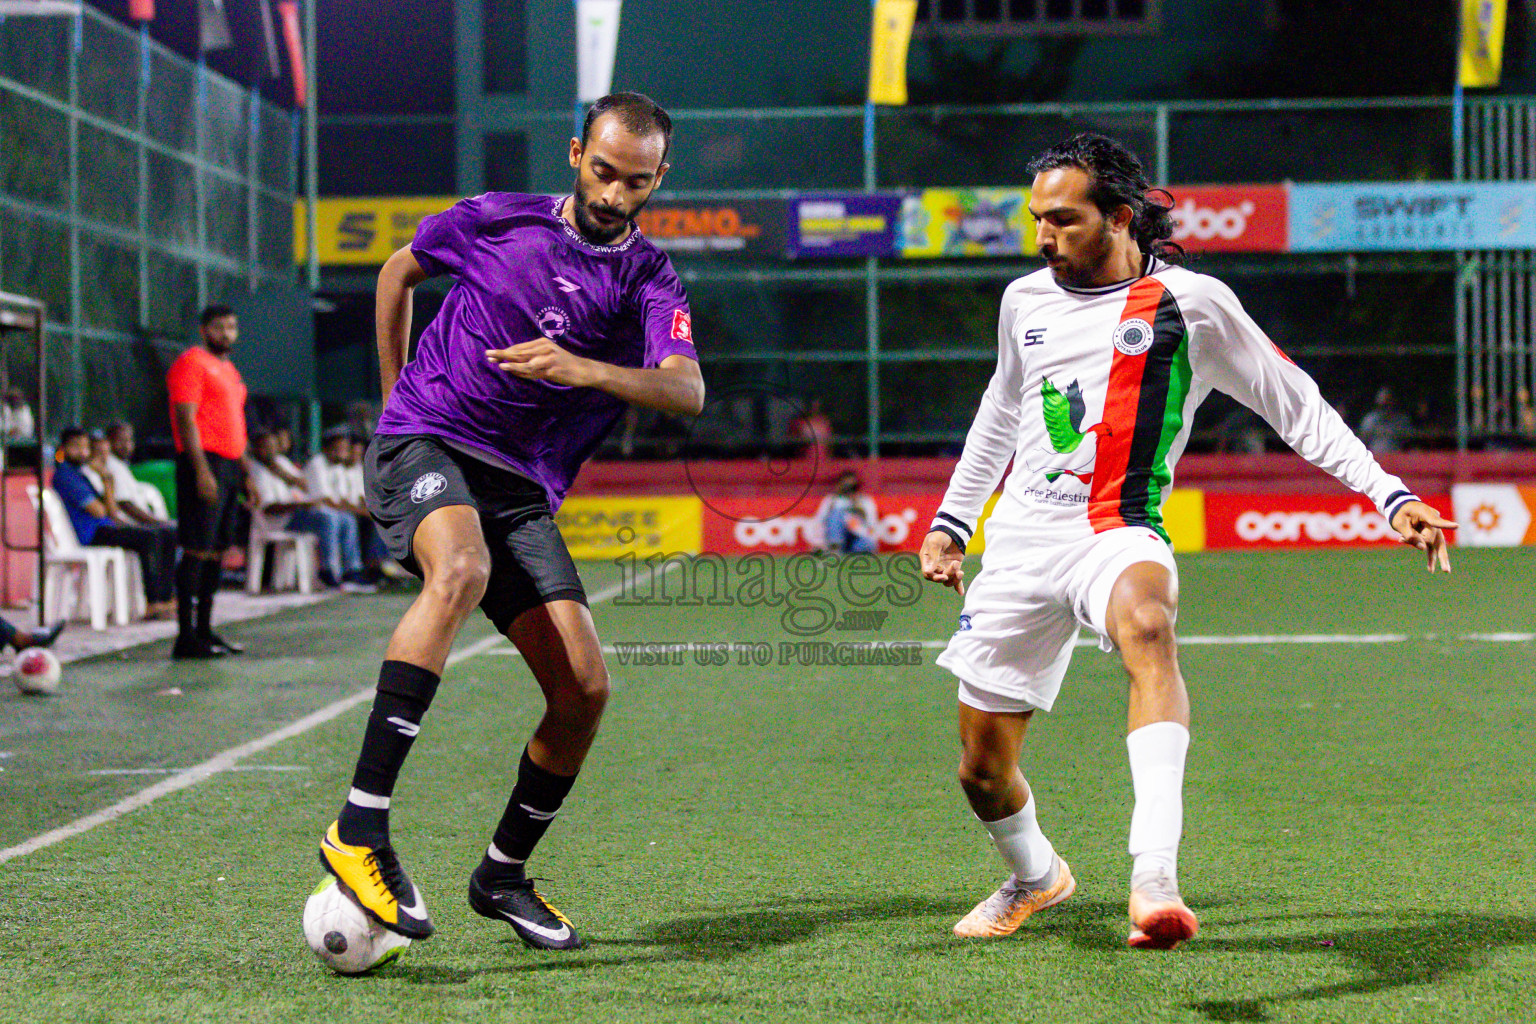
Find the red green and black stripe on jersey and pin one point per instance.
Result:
(1144, 410)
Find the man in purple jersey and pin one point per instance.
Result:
(560, 314)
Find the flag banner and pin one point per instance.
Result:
(1412, 216)
(23, 8)
(1482, 42)
(855, 224)
(269, 39)
(212, 26)
(597, 44)
(940, 222)
(889, 38)
(288, 10)
(141, 10)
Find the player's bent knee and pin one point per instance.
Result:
(980, 777)
(1149, 624)
(461, 580)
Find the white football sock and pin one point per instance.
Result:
(500, 858)
(1157, 776)
(359, 798)
(1024, 847)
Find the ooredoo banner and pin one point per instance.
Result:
(739, 526)
(1297, 521)
(1230, 218)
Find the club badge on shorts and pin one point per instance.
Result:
(1133, 336)
(427, 485)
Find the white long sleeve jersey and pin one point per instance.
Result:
(1094, 394)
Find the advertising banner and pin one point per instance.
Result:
(1412, 216)
(739, 526)
(1494, 515)
(364, 231)
(844, 225)
(946, 222)
(1297, 521)
(745, 228)
(607, 527)
(1230, 218)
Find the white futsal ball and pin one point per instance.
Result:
(346, 939)
(37, 670)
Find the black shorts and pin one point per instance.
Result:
(199, 525)
(409, 476)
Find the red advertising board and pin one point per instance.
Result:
(739, 526)
(1230, 218)
(1297, 521)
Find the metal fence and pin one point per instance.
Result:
(899, 350)
(135, 187)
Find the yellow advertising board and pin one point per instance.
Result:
(608, 527)
(1184, 519)
(940, 222)
(363, 231)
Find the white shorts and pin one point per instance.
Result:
(1024, 608)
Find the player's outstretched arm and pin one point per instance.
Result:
(392, 314)
(1424, 527)
(943, 560)
(675, 387)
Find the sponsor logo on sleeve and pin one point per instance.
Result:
(682, 325)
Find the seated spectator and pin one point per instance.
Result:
(98, 521)
(130, 491)
(1384, 427)
(21, 639)
(848, 518)
(282, 463)
(16, 423)
(315, 508)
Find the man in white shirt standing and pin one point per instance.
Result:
(1103, 358)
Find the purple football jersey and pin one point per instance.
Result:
(521, 272)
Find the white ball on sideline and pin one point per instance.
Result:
(345, 938)
(37, 670)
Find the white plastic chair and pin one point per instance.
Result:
(295, 556)
(90, 569)
(152, 501)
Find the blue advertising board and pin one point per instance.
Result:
(1412, 216)
(848, 224)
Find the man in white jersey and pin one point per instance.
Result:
(1103, 358)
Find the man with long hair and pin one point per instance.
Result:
(1103, 357)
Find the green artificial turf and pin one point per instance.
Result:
(787, 842)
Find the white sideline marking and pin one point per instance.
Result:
(227, 760)
(172, 771)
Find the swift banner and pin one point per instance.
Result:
(1412, 216)
(939, 222)
(751, 228)
(846, 225)
(366, 231)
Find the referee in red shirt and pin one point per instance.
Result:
(208, 423)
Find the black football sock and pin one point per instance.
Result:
(536, 799)
(405, 692)
(211, 575)
(188, 576)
